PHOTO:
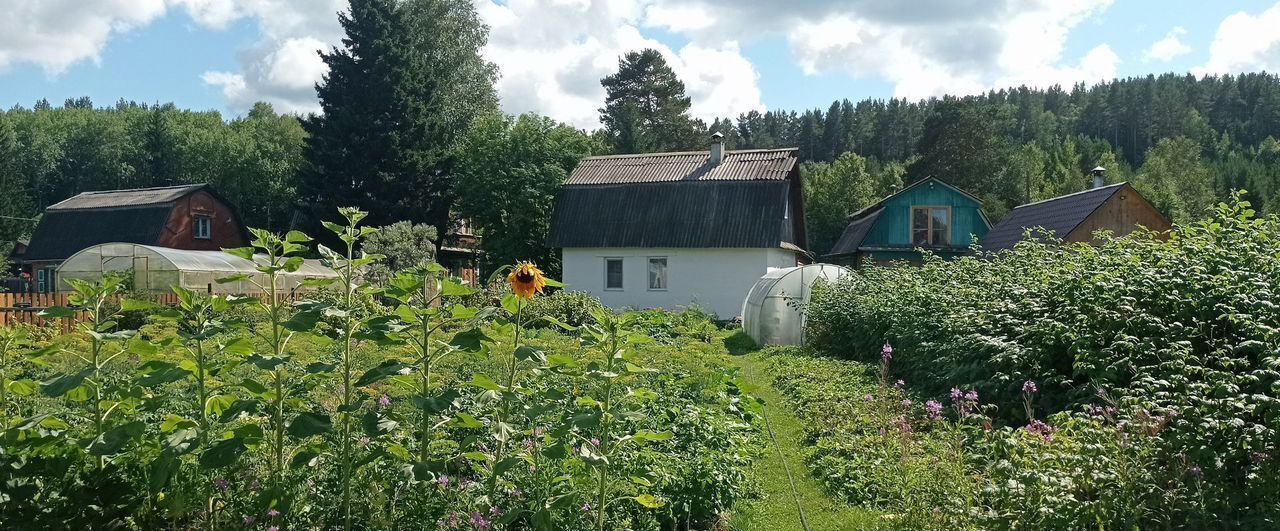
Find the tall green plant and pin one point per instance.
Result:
(273, 255)
(13, 342)
(89, 386)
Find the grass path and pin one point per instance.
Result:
(776, 510)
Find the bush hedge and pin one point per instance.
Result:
(1184, 326)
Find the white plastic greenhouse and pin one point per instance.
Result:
(160, 268)
(773, 312)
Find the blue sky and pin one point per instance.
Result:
(225, 54)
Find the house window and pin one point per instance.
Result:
(203, 227)
(657, 272)
(931, 226)
(613, 273)
(41, 282)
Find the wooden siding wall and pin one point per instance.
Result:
(893, 229)
(179, 231)
(1122, 214)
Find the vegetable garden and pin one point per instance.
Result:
(424, 404)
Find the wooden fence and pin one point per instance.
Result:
(25, 308)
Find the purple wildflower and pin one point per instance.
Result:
(906, 404)
(595, 442)
(963, 402)
(971, 396)
(495, 512)
(956, 394)
(899, 384)
(273, 513)
(1029, 387)
(1038, 427)
(886, 353)
(934, 409)
(517, 493)
(384, 402)
(478, 521)
(586, 507)
(869, 397)
(222, 483)
(1257, 457)
(443, 480)
(273, 528)
(364, 441)
(249, 520)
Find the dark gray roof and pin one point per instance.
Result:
(680, 214)
(1061, 215)
(745, 165)
(127, 198)
(857, 231)
(91, 218)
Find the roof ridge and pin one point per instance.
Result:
(147, 189)
(684, 153)
(1121, 183)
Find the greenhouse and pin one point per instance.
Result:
(773, 313)
(161, 268)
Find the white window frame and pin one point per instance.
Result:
(622, 273)
(202, 222)
(666, 273)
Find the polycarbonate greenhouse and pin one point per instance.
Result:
(773, 312)
(160, 268)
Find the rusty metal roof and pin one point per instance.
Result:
(742, 165)
(126, 198)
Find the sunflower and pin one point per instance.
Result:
(526, 279)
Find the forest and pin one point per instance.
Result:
(1185, 142)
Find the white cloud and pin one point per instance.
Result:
(552, 55)
(1168, 48)
(1245, 42)
(56, 34)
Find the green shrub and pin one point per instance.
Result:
(569, 307)
(1185, 326)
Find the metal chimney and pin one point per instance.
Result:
(717, 148)
(1099, 177)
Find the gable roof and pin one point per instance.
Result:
(91, 218)
(681, 214)
(860, 222)
(1060, 215)
(126, 198)
(741, 165)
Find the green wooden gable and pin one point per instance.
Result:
(929, 214)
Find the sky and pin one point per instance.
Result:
(733, 56)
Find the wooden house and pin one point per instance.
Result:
(1117, 208)
(929, 214)
(663, 230)
(191, 217)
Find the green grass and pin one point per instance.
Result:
(776, 509)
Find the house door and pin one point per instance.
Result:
(140, 273)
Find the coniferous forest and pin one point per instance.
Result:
(1184, 141)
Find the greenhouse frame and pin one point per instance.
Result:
(158, 269)
(773, 312)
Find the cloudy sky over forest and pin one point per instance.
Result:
(733, 56)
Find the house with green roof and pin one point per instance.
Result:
(928, 215)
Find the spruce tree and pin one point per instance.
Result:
(403, 87)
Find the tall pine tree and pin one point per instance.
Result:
(645, 108)
(406, 84)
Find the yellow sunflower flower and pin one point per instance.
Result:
(526, 280)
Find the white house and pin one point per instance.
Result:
(665, 230)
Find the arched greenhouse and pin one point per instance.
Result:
(160, 268)
(773, 312)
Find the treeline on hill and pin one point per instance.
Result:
(1185, 142)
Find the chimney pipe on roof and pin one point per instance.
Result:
(717, 148)
(1099, 177)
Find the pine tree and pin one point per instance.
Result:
(646, 109)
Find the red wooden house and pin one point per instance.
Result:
(190, 217)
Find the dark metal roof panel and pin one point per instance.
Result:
(62, 233)
(680, 214)
(126, 198)
(746, 165)
(1060, 215)
(855, 232)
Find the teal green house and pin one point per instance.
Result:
(929, 214)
